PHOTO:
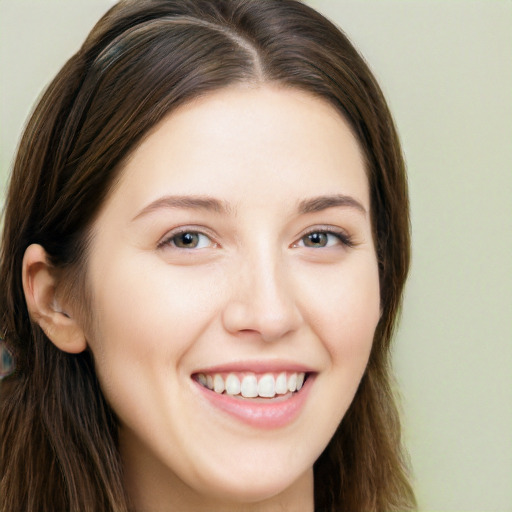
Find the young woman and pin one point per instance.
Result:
(205, 245)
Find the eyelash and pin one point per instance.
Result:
(168, 240)
(343, 237)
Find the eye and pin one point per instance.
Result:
(188, 240)
(324, 238)
(320, 239)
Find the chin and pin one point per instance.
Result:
(251, 489)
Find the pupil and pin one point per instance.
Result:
(187, 240)
(317, 238)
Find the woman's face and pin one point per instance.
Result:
(236, 252)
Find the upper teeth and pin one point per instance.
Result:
(249, 386)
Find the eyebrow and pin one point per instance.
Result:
(187, 202)
(311, 205)
(320, 203)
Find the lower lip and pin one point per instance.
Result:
(264, 415)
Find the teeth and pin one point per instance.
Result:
(249, 386)
(267, 386)
(218, 384)
(232, 385)
(300, 381)
(281, 385)
(292, 382)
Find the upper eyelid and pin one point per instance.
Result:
(345, 237)
(201, 230)
(334, 230)
(191, 228)
(325, 228)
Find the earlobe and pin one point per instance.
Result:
(39, 286)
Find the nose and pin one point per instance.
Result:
(262, 301)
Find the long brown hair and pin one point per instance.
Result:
(58, 436)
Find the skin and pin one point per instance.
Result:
(254, 289)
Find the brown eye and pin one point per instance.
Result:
(190, 240)
(186, 240)
(318, 239)
(326, 238)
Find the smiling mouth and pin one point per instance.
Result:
(264, 400)
(252, 385)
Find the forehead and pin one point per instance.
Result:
(246, 140)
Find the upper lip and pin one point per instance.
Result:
(260, 366)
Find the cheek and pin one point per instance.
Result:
(343, 314)
(148, 316)
(345, 310)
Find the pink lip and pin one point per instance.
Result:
(256, 367)
(271, 414)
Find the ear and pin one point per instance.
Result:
(39, 286)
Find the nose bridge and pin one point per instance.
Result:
(271, 289)
(262, 299)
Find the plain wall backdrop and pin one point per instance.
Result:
(446, 69)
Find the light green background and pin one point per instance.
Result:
(446, 68)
